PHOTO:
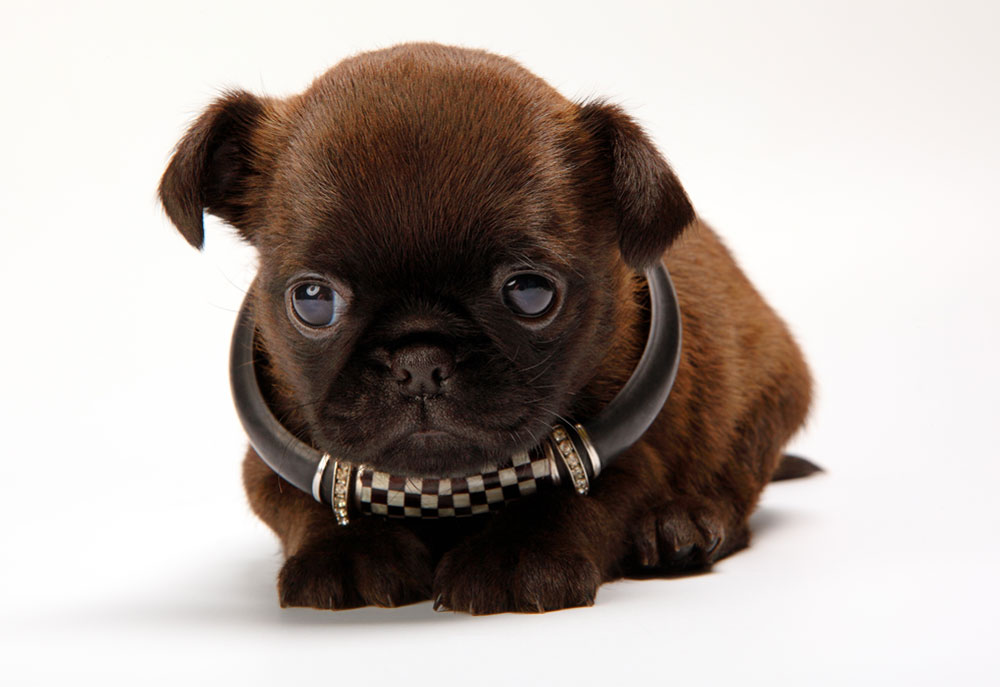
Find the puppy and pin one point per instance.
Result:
(450, 260)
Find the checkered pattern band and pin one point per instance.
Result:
(380, 493)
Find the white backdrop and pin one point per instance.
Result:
(848, 153)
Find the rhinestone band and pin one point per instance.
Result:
(595, 459)
(572, 460)
(341, 490)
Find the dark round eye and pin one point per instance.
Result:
(315, 304)
(530, 295)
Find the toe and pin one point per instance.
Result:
(646, 542)
(678, 534)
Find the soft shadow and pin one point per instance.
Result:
(767, 519)
(234, 591)
(238, 588)
(637, 573)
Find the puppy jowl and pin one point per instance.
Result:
(491, 356)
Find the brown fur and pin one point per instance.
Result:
(408, 171)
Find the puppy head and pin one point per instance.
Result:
(447, 249)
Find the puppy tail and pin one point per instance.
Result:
(793, 467)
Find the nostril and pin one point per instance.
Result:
(441, 373)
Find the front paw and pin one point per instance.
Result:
(684, 536)
(386, 569)
(487, 574)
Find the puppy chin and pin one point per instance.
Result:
(434, 454)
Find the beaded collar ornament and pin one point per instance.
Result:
(573, 453)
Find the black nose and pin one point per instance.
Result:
(421, 369)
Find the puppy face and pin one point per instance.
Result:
(445, 249)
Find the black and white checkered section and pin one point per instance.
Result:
(380, 493)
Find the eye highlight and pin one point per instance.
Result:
(314, 303)
(528, 294)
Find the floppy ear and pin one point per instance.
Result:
(215, 167)
(652, 207)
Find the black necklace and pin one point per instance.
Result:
(572, 453)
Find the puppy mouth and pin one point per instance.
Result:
(423, 450)
(427, 439)
(427, 436)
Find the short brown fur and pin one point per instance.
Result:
(423, 158)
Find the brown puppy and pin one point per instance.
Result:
(449, 261)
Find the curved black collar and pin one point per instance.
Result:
(587, 446)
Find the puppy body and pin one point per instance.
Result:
(417, 177)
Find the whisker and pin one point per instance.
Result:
(231, 282)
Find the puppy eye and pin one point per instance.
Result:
(529, 295)
(315, 304)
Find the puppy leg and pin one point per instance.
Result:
(713, 486)
(370, 562)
